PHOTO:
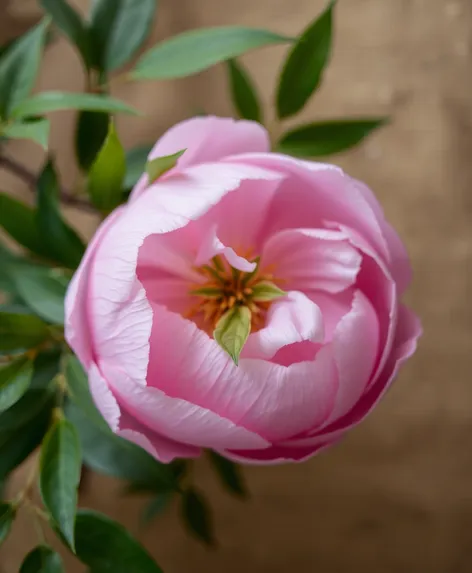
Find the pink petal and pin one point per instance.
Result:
(312, 259)
(211, 246)
(103, 397)
(295, 318)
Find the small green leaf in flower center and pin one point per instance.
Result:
(232, 330)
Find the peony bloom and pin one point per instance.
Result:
(230, 222)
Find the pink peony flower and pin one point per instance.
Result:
(229, 221)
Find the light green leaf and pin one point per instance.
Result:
(197, 516)
(118, 29)
(7, 516)
(160, 165)
(15, 379)
(63, 242)
(107, 173)
(197, 50)
(36, 130)
(60, 467)
(243, 92)
(71, 24)
(42, 559)
(232, 330)
(106, 546)
(19, 67)
(45, 102)
(136, 159)
(21, 331)
(303, 69)
(266, 291)
(229, 473)
(90, 134)
(327, 137)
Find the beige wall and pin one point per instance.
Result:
(396, 495)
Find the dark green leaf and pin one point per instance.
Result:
(15, 379)
(62, 241)
(19, 67)
(21, 331)
(197, 50)
(155, 507)
(232, 330)
(328, 137)
(60, 474)
(160, 165)
(107, 173)
(118, 29)
(303, 70)
(25, 410)
(36, 130)
(42, 559)
(197, 516)
(91, 132)
(42, 290)
(243, 93)
(229, 473)
(7, 516)
(71, 24)
(136, 159)
(45, 367)
(106, 546)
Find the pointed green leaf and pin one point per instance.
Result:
(106, 546)
(197, 50)
(136, 159)
(303, 70)
(19, 67)
(243, 92)
(208, 292)
(42, 559)
(90, 134)
(25, 410)
(62, 241)
(160, 165)
(266, 291)
(7, 516)
(46, 102)
(21, 331)
(71, 25)
(15, 379)
(197, 516)
(327, 137)
(59, 476)
(107, 173)
(229, 473)
(118, 29)
(36, 130)
(232, 330)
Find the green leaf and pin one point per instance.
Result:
(46, 366)
(118, 29)
(45, 102)
(197, 50)
(62, 241)
(19, 221)
(42, 290)
(229, 473)
(107, 173)
(106, 546)
(15, 379)
(36, 130)
(19, 67)
(91, 132)
(243, 92)
(232, 330)
(21, 331)
(328, 137)
(303, 69)
(7, 516)
(42, 559)
(266, 291)
(70, 24)
(136, 159)
(197, 517)
(24, 411)
(60, 467)
(160, 165)
(155, 507)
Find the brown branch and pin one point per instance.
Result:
(30, 178)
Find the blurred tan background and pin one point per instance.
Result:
(396, 495)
